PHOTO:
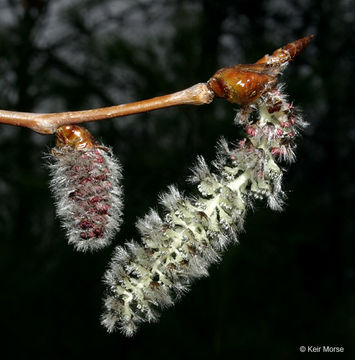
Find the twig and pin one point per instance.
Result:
(240, 84)
(198, 94)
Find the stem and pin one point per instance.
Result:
(229, 83)
(198, 94)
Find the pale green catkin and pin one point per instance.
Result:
(179, 245)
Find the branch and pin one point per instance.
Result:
(198, 94)
(239, 84)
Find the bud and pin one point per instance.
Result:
(241, 84)
(287, 53)
(85, 182)
(244, 84)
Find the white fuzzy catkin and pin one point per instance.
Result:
(88, 194)
(179, 245)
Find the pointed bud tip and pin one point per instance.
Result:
(305, 40)
(296, 47)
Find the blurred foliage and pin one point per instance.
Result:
(290, 282)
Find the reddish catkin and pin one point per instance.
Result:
(85, 180)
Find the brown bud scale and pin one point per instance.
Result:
(244, 84)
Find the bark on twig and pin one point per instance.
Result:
(198, 94)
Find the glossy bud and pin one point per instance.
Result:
(74, 136)
(241, 84)
(244, 84)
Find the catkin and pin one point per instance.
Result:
(85, 181)
(179, 245)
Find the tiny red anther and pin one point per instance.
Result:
(250, 131)
(86, 224)
(95, 199)
(274, 108)
(276, 151)
(279, 132)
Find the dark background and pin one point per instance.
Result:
(290, 281)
